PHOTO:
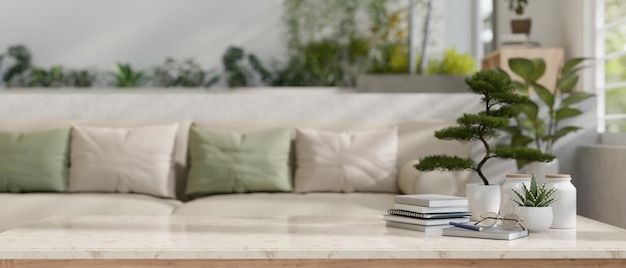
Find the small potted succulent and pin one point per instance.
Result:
(534, 205)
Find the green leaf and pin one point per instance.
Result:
(522, 67)
(533, 183)
(544, 94)
(520, 140)
(562, 132)
(572, 71)
(576, 97)
(539, 68)
(523, 88)
(539, 126)
(566, 112)
(571, 64)
(567, 83)
(530, 109)
(527, 125)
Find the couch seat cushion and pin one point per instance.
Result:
(277, 204)
(22, 208)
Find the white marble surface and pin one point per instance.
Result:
(289, 237)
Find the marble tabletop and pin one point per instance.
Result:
(288, 237)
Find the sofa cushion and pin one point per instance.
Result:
(363, 161)
(281, 204)
(132, 159)
(34, 161)
(34, 206)
(225, 161)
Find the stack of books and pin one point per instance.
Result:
(426, 212)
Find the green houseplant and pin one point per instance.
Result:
(534, 205)
(519, 25)
(501, 102)
(518, 6)
(541, 129)
(125, 76)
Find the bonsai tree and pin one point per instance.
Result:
(533, 129)
(501, 102)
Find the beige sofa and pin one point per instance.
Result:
(415, 139)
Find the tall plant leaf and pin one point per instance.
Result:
(530, 109)
(522, 67)
(520, 87)
(562, 132)
(544, 94)
(571, 64)
(567, 83)
(566, 112)
(539, 68)
(576, 97)
(520, 140)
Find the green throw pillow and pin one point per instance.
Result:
(232, 162)
(34, 162)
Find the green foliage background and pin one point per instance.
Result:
(615, 69)
(328, 44)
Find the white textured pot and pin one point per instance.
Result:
(482, 198)
(541, 169)
(536, 219)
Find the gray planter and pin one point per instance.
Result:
(397, 83)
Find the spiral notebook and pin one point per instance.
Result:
(423, 221)
(406, 213)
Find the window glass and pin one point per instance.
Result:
(615, 70)
(616, 101)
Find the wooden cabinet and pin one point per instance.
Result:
(552, 56)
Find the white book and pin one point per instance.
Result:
(416, 227)
(421, 209)
(424, 221)
(431, 200)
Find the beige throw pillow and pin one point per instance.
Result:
(134, 159)
(346, 161)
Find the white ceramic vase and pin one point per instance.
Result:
(482, 198)
(512, 181)
(540, 169)
(564, 208)
(536, 219)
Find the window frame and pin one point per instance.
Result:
(601, 85)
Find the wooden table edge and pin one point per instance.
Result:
(315, 263)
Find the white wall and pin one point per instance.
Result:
(99, 33)
(457, 17)
(546, 20)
